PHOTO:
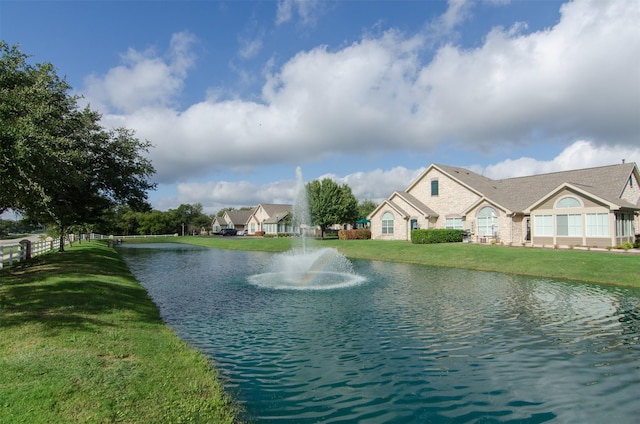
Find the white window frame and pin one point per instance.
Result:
(543, 225)
(454, 223)
(488, 225)
(573, 226)
(387, 223)
(597, 224)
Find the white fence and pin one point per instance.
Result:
(25, 249)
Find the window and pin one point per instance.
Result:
(542, 225)
(434, 187)
(454, 223)
(597, 225)
(568, 202)
(487, 221)
(569, 225)
(387, 223)
(624, 225)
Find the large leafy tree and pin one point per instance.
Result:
(57, 164)
(331, 203)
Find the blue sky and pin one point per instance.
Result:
(235, 95)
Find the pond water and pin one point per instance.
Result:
(409, 344)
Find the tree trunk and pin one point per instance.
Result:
(61, 248)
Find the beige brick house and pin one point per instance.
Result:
(231, 219)
(595, 207)
(270, 219)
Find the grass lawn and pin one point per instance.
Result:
(589, 266)
(81, 342)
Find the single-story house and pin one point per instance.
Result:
(595, 207)
(270, 219)
(218, 224)
(231, 219)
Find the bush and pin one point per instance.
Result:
(436, 235)
(626, 245)
(358, 234)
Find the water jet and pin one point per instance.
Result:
(306, 266)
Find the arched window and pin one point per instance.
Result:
(487, 221)
(568, 202)
(387, 223)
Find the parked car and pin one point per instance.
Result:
(229, 232)
(241, 233)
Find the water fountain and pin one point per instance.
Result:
(306, 266)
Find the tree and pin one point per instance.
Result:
(365, 207)
(57, 164)
(33, 107)
(331, 203)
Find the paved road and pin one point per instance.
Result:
(17, 240)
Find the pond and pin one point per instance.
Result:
(408, 344)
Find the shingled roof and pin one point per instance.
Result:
(517, 194)
(239, 216)
(274, 210)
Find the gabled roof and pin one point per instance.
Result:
(273, 210)
(518, 194)
(417, 204)
(220, 219)
(237, 217)
(390, 204)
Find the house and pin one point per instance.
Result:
(218, 224)
(231, 219)
(596, 207)
(270, 219)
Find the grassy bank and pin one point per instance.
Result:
(80, 341)
(589, 266)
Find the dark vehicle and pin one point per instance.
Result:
(229, 232)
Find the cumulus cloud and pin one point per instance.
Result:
(580, 154)
(575, 80)
(144, 79)
(378, 184)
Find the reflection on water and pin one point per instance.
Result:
(412, 345)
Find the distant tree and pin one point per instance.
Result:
(222, 211)
(365, 207)
(331, 203)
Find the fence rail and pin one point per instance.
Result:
(26, 249)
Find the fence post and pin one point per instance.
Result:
(25, 247)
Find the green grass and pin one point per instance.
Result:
(621, 269)
(81, 342)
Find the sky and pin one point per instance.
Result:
(235, 95)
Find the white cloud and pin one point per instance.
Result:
(580, 154)
(305, 9)
(378, 184)
(456, 13)
(576, 80)
(144, 79)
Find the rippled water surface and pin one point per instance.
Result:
(411, 344)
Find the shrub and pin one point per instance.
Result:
(626, 245)
(436, 235)
(357, 234)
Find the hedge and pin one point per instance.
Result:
(436, 235)
(358, 234)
